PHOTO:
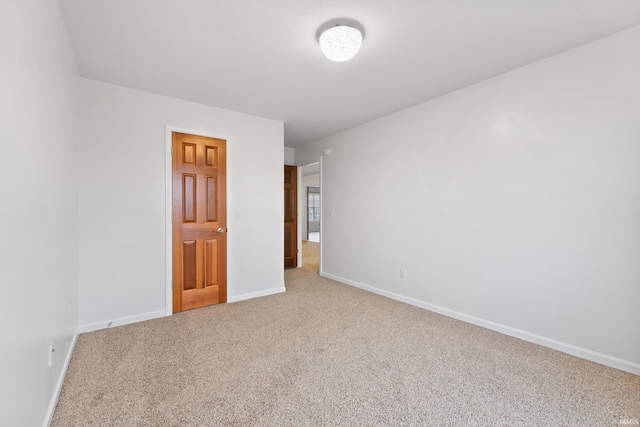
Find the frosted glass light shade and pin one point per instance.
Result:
(340, 43)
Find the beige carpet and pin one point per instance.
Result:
(326, 354)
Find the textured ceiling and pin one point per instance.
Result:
(261, 57)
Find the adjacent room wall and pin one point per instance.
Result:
(289, 156)
(513, 203)
(122, 201)
(39, 208)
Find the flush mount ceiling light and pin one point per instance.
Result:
(340, 40)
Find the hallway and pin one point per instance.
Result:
(311, 256)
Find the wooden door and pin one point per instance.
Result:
(290, 216)
(199, 221)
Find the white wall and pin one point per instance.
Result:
(122, 201)
(514, 201)
(38, 207)
(289, 156)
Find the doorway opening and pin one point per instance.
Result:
(310, 196)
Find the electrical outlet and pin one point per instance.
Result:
(403, 273)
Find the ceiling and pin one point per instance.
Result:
(261, 57)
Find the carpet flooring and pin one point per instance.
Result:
(327, 354)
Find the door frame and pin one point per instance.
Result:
(168, 200)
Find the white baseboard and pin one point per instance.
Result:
(573, 350)
(259, 294)
(90, 327)
(56, 392)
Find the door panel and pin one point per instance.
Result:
(290, 216)
(211, 199)
(199, 221)
(189, 198)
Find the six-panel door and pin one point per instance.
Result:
(199, 221)
(290, 216)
